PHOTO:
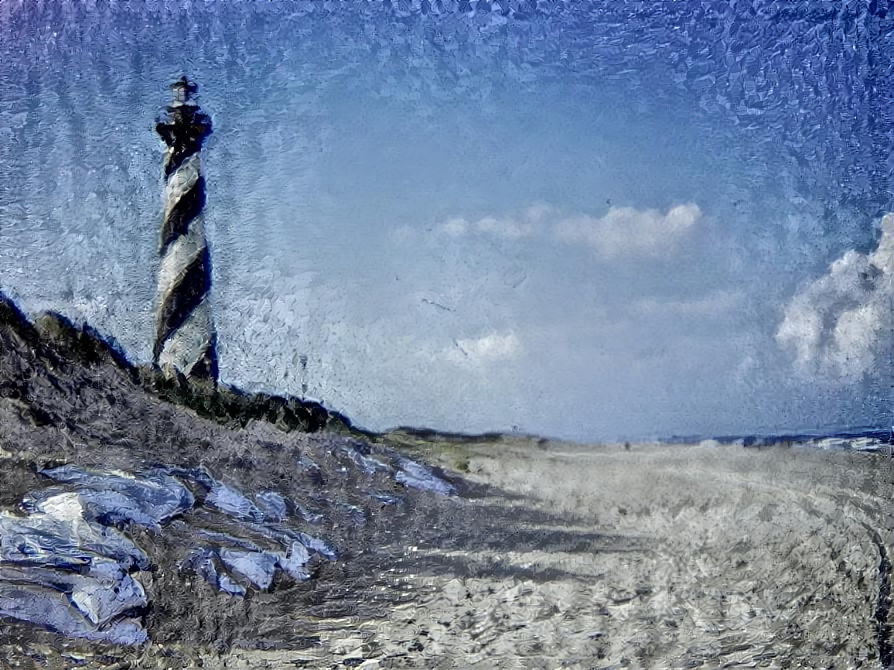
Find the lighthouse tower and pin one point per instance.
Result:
(185, 340)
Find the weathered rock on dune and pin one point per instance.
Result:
(68, 542)
(147, 499)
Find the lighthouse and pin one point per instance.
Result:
(185, 340)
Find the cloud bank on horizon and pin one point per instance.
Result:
(489, 348)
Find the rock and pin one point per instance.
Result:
(100, 595)
(148, 499)
(204, 563)
(315, 544)
(108, 508)
(101, 602)
(65, 562)
(286, 536)
(199, 475)
(417, 476)
(231, 558)
(387, 498)
(61, 536)
(61, 569)
(258, 567)
(294, 565)
(230, 501)
(273, 504)
(247, 560)
(308, 515)
(50, 608)
(361, 456)
(354, 513)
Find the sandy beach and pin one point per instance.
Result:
(647, 556)
(558, 555)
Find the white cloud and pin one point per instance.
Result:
(841, 324)
(716, 303)
(626, 231)
(506, 228)
(528, 224)
(538, 213)
(403, 233)
(622, 231)
(491, 347)
(455, 227)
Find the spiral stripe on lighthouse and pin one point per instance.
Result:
(184, 199)
(181, 181)
(178, 256)
(190, 343)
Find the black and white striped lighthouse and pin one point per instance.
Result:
(185, 340)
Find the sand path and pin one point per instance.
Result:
(686, 556)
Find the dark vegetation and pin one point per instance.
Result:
(57, 339)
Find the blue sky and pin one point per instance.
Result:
(583, 220)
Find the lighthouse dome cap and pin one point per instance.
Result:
(184, 90)
(184, 84)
